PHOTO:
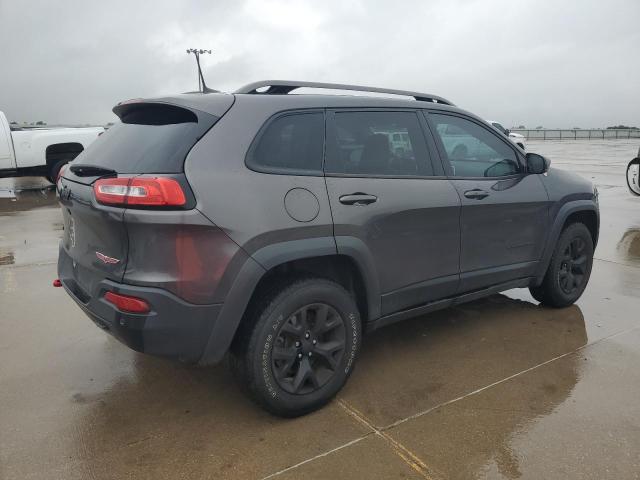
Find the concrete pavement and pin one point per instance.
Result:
(498, 388)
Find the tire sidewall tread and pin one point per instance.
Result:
(251, 356)
(550, 293)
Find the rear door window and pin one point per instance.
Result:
(291, 143)
(151, 138)
(377, 143)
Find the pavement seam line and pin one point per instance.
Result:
(622, 264)
(498, 382)
(324, 454)
(398, 448)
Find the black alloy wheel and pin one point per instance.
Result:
(573, 269)
(297, 344)
(308, 349)
(569, 268)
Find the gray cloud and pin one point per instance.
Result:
(521, 62)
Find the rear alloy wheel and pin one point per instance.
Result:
(302, 347)
(308, 349)
(569, 269)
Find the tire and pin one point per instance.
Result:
(569, 268)
(297, 346)
(52, 176)
(633, 176)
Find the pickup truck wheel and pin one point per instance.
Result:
(52, 176)
(298, 346)
(569, 269)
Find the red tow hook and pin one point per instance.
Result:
(57, 283)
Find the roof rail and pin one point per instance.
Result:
(281, 87)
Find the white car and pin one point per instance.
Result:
(40, 151)
(633, 175)
(514, 137)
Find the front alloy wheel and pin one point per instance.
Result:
(569, 268)
(573, 269)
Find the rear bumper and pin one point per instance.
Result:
(174, 328)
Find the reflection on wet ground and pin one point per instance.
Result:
(629, 245)
(498, 388)
(30, 221)
(36, 196)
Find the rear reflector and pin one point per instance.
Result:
(141, 191)
(126, 303)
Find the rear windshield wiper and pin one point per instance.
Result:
(83, 170)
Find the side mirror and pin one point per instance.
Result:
(507, 132)
(537, 163)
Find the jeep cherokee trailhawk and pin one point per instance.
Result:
(278, 227)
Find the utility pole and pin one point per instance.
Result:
(202, 87)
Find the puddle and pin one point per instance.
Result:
(629, 245)
(24, 198)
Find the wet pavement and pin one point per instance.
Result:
(498, 388)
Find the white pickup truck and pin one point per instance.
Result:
(514, 137)
(40, 151)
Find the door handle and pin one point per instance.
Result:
(476, 194)
(358, 198)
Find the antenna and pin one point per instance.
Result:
(202, 87)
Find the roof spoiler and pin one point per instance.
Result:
(282, 87)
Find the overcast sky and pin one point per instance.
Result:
(535, 62)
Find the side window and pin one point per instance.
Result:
(292, 142)
(377, 143)
(473, 151)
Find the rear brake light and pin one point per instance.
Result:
(126, 303)
(143, 191)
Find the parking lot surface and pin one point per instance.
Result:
(497, 388)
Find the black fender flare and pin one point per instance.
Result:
(565, 211)
(271, 256)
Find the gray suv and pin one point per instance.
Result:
(279, 228)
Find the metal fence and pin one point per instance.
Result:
(577, 134)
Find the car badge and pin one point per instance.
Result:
(108, 260)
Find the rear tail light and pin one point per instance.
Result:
(125, 303)
(142, 191)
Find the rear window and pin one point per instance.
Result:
(152, 138)
(292, 143)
